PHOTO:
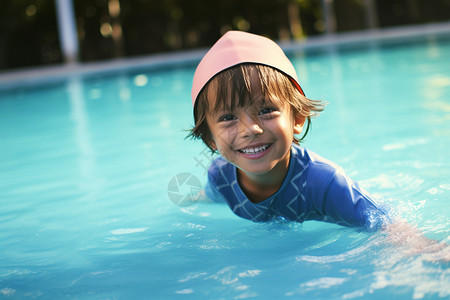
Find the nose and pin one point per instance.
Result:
(249, 126)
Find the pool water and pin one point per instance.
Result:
(86, 165)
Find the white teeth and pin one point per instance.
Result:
(254, 150)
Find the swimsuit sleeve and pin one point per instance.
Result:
(346, 203)
(211, 191)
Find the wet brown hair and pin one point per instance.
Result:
(274, 85)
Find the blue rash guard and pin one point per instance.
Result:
(314, 189)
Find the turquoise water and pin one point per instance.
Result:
(85, 167)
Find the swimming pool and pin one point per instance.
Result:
(86, 165)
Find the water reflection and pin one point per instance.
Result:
(86, 159)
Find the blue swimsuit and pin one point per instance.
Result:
(314, 189)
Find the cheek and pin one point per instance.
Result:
(284, 129)
(226, 152)
(283, 126)
(225, 137)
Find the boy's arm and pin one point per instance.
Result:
(350, 200)
(210, 194)
(204, 197)
(411, 241)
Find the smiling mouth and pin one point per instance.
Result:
(254, 150)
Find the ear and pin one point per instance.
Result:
(212, 144)
(298, 124)
(208, 140)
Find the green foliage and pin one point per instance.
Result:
(29, 31)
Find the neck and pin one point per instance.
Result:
(259, 187)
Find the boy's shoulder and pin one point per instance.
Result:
(220, 167)
(218, 163)
(318, 171)
(312, 159)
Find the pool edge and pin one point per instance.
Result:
(22, 78)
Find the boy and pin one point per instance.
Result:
(248, 107)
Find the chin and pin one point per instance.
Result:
(256, 170)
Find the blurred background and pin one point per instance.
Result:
(32, 31)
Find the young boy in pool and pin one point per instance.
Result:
(249, 107)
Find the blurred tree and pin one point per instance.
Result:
(150, 26)
(403, 12)
(94, 30)
(28, 33)
(350, 15)
(117, 28)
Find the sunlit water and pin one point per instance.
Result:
(85, 168)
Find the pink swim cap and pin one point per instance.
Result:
(237, 47)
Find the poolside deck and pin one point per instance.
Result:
(16, 79)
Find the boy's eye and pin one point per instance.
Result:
(266, 111)
(227, 118)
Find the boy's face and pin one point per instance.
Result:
(255, 138)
